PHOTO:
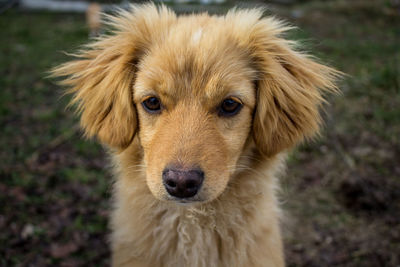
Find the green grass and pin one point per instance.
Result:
(45, 183)
(29, 103)
(356, 160)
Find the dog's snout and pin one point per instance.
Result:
(182, 183)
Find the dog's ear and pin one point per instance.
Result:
(290, 89)
(102, 76)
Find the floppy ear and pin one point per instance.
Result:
(290, 87)
(101, 78)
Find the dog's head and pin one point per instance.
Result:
(196, 91)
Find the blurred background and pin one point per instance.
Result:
(341, 193)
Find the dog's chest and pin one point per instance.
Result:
(193, 237)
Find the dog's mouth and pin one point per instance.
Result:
(197, 199)
(187, 202)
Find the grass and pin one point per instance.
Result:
(341, 189)
(341, 192)
(43, 183)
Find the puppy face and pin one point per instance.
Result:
(195, 102)
(196, 91)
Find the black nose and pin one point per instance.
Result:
(182, 183)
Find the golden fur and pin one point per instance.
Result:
(192, 63)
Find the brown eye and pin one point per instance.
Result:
(229, 107)
(152, 105)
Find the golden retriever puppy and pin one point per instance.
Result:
(198, 112)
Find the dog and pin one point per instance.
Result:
(198, 113)
(93, 19)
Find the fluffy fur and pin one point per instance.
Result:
(192, 63)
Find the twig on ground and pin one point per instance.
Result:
(58, 140)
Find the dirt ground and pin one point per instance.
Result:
(341, 193)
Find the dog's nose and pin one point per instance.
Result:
(182, 183)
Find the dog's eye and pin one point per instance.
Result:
(229, 107)
(152, 105)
